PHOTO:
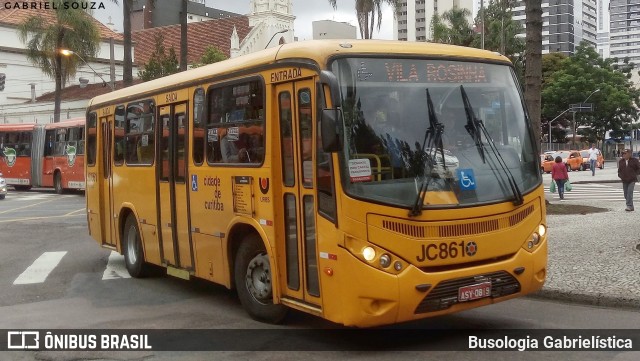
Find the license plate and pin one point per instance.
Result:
(474, 292)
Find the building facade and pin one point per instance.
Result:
(329, 29)
(25, 82)
(155, 13)
(565, 23)
(625, 30)
(413, 20)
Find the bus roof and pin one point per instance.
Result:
(317, 50)
(16, 127)
(66, 123)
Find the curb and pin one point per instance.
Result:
(597, 181)
(599, 299)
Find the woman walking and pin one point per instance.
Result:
(559, 175)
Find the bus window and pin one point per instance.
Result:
(288, 169)
(50, 140)
(306, 124)
(118, 138)
(198, 126)
(139, 140)
(92, 130)
(235, 128)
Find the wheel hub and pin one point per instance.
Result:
(258, 278)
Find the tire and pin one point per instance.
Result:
(602, 165)
(252, 276)
(57, 183)
(132, 249)
(568, 168)
(2, 196)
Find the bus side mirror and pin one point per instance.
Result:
(330, 127)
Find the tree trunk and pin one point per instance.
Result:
(533, 68)
(127, 67)
(58, 91)
(183, 36)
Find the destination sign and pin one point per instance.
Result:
(422, 71)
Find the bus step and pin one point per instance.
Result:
(177, 272)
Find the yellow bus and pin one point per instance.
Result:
(365, 182)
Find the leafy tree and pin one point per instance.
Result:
(501, 31)
(452, 27)
(615, 104)
(369, 14)
(160, 64)
(211, 55)
(73, 29)
(533, 68)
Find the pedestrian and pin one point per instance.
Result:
(628, 169)
(593, 158)
(559, 175)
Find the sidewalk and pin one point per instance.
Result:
(592, 258)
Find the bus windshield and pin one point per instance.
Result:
(483, 152)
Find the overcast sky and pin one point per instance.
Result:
(305, 12)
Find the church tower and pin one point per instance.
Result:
(270, 17)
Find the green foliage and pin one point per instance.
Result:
(452, 27)
(211, 55)
(578, 76)
(160, 64)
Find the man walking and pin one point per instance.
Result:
(628, 169)
(593, 158)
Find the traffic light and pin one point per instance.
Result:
(3, 77)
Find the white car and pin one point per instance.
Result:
(3, 187)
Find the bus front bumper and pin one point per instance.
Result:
(371, 297)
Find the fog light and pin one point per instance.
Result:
(385, 260)
(542, 230)
(535, 238)
(530, 244)
(369, 253)
(397, 265)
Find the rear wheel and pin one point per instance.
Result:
(252, 275)
(57, 183)
(132, 247)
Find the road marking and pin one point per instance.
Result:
(31, 205)
(40, 268)
(36, 218)
(115, 268)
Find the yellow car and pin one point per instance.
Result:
(585, 160)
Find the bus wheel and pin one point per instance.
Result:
(57, 183)
(133, 254)
(252, 274)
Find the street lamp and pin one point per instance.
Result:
(67, 52)
(274, 35)
(574, 119)
(573, 139)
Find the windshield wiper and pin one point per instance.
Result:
(432, 137)
(476, 126)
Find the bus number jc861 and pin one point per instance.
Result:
(446, 250)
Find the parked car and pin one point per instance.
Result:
(547, 161)
(571, 158)
(3, 187)
(585, 160)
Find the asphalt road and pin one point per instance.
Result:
(88, 289)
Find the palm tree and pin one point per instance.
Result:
(533, 67)
(73, 29)
(369, 14)
(457, 32)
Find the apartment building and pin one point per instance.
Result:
(413, 21)
(624, 30)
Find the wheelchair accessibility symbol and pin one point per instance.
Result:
(466, 179)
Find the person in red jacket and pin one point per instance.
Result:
(628, 169)
(559, 175)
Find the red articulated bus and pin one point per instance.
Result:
(43, 155)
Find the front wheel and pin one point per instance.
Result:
(568, 168)
(132, 247)
(252, 276)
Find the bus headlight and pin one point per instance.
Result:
(542, 230)
(369, 253)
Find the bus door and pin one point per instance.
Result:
(107, 220)
(298, 269)
(175, 242)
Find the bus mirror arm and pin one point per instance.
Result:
(330, 127)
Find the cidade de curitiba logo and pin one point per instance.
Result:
(54, 5)
(71, 155)
(9, 156)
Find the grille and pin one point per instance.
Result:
(445, 294)
(403, 228)
(458, 229)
